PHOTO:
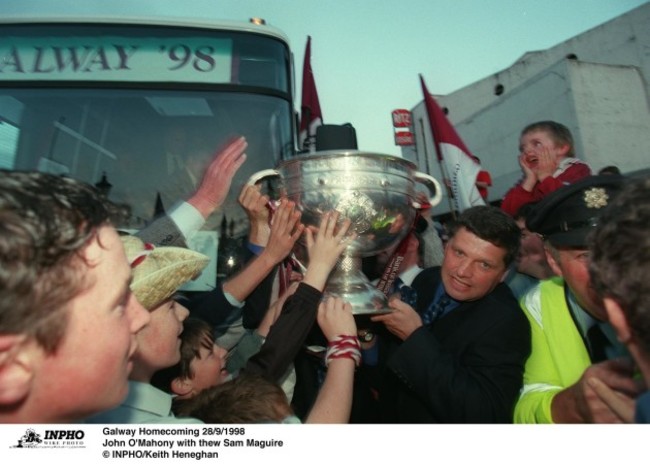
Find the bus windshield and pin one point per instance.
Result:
(141, 110)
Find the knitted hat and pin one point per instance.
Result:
(158, 272)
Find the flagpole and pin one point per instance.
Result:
(442, 170)
(452, 153)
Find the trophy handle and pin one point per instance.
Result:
(432, 184)
(256, 177)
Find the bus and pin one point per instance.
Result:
(138, 106)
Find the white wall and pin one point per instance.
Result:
(601, 95)
(613, 123)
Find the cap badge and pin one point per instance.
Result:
(596, 197)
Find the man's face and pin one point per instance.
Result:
(472, 267)
(573, 266)
(534, 143)
(209, 369)
(88, 371)
(159, 343)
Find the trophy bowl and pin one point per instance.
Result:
(376, 192)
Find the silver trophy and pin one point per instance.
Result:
(376, 192)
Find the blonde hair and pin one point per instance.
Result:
(560, 134)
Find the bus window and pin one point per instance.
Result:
(141, 110)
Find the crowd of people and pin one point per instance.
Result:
(531, 312)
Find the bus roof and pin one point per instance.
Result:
(149, 20)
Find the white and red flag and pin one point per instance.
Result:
(459, 166)
(310, 114)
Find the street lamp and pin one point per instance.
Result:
(103, 186)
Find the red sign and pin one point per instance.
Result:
(401, 118)
(404, 138)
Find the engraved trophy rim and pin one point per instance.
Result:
(328, 154)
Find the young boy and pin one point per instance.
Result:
(67, 317)
(157, 275)
(204, 363)
(230, 335)
(547, 159)
(201, 367)
(252, 398)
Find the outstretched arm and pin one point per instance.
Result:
(285, 231)
(288, 332)
(255, 204)
(184, 220)
(334, 401)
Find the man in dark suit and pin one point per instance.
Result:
(459, 356)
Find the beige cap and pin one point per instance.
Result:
(158, 272)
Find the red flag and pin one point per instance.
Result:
(310, 114)
(455, 158)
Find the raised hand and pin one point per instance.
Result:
(324, 247)
(217, 178)
(255, 204)
(547, 163)
(335, 318)
(530, 177)
(334, 401)
(621, 405)
(580, 403)
(286, 229)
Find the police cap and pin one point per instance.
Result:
(567, 216)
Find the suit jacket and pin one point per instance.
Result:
(466, 367)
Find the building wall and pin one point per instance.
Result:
(596, 83)
(613, 117)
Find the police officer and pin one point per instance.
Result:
(571, 338)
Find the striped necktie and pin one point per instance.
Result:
(407, 293)
(436, 309)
